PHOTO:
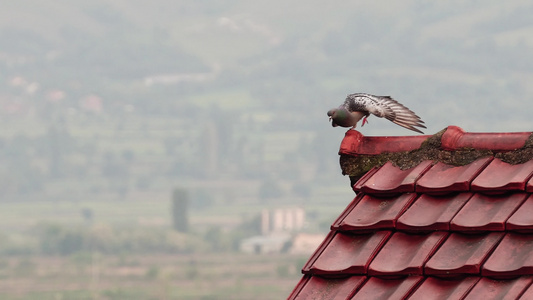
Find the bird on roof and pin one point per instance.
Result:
(360, 105)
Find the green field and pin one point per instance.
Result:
(195, 276)
(28, 273)
(161, 265)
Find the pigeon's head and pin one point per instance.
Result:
(339, 117)
(331, 114)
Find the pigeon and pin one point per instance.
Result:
(360, 105)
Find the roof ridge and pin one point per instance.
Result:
(452, 146)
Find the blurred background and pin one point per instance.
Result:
(181, 149)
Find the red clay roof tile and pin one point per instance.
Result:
(347, 210)
(319, 288)
(453, 138)
(347, 254)
(462, 254)
(498, 289)
(299, 286)
(486, 212)
(373, 213)
(384, 289)
(522, 219)
(355, 143)
(511, 258)
(443, 178)
(357, 186)
(499, 176)
(433, 231)
(456, 138)
(528, 294)
(432, 212)
(444, 289)
(529, 186)
(392, 180)
(405, 254)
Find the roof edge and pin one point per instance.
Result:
(452, 145)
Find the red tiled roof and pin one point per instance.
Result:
(434, 230)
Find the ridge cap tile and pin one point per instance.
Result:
(355, 143)
(456, 138)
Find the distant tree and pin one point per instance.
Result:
(215, 237)
(56, 239)
(180, 206)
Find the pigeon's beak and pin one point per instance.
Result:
(330, 118)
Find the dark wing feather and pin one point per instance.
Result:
(384, 107)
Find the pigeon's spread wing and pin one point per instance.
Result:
(385, 107)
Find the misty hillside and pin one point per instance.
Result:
(308, 55)
(213, 89)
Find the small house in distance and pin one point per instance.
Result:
(282, 231)
(448, 216)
